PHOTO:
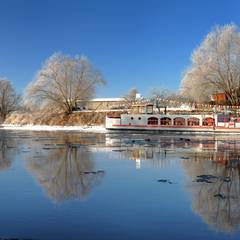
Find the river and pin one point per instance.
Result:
(70, 185)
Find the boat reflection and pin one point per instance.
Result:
(156, 150)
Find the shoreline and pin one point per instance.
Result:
(29, 127)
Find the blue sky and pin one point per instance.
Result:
(143, 44)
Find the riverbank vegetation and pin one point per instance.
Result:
(58, 118)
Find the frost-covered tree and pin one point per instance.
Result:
(130, 98)
(9, 99)
(62, 81)
(215, 67)
(163, 97)
(132, 94)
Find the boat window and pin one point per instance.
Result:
(131, 118)
(179, 121)
(223, 118)
(165, 121)
(208, 121)
(139, 118)
(152, 121)
(193, 121)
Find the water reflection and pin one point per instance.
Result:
(8, 151)
(65, 173)
(62, 164)
(214, 183)
(141, 149)
(159, 151)
(212, 165)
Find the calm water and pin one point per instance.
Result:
(119, 186)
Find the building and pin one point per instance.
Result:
(219, 98)
(107, 104)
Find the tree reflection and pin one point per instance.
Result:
(217, 200)
(65, 172)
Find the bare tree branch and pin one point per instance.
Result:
(62, 81)
(9, 100)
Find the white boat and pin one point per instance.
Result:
(216, 122)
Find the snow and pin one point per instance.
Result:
(95, 129)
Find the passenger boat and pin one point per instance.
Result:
(206, 122)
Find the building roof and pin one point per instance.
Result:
(107, 99)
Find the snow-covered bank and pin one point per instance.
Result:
(96, 129)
